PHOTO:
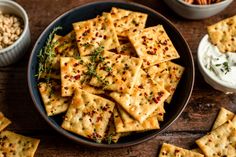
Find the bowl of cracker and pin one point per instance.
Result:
(197, 9)
(114, 77)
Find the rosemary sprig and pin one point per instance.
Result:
(46, 55)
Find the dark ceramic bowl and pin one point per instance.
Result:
(91, 10)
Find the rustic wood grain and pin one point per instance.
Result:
(194, 122)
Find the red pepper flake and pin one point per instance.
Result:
(76, 64)
(99, 119)
(140, 86)
(77, 77)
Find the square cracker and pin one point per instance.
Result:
(223, 116)
(126, 49)
(12, 144)
(159, 113)
(65, 47)
(153, 45)
(94, 33)
(125, 123)
(168, 150)
(74, 75)
(167, 74)
(54, 103)
(145, 98)
(4, 122)
(117, 72)
(126, 20)
(111, 135)
(88, 115)
(219, 142)
(223, 34)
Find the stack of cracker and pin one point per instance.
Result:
(114, 76)
(220, 142)
(12, 144)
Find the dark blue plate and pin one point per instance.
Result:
(89, 11)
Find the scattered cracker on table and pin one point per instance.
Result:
(125, 123)
(94, 33)
(51, 95)
(168, 150)
(126, 20)
(4, 122)
(223, 116)
(153, 45)
(145, 98)
(88, 115)
(223, 34)
(12, 144)
(219, 142)
(73, 75)
(117, 72)
(167, 74)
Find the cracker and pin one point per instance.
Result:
(94, 33)
(159, 113)
(88, 115)
(53, 101)
(168, 150)
(223, 116)
(223, 34)
(117, 72)
(219, 142)
(125, 123)
(145, 98)
(4, 122)
(153, 45)
(65, 47)
(197, 150)
(167, 74)
(126, 49)
(126, 20)
(74, 75)
(111, 134)
(12, 144)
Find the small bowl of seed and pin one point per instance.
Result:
(14, 32)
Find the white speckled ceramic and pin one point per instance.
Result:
(15, 51)
(208, 77)
(196, 12)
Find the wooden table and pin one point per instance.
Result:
(195, 121)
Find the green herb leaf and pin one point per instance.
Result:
(46, 55)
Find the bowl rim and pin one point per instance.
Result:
(117, 145)
(204, 6)
(205, 72)
(25, 18)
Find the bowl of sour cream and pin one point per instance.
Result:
(217, 68)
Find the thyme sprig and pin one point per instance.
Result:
(46, 55)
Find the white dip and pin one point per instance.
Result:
(221, 65)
